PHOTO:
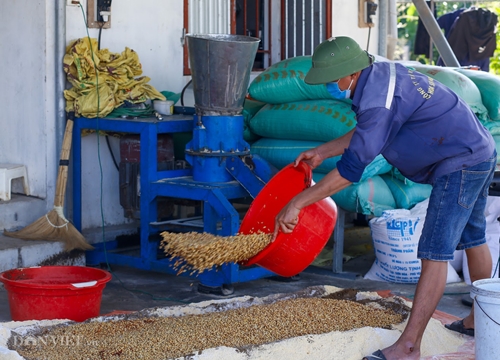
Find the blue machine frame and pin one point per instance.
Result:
(219, 216)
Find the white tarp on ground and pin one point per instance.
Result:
(347, 345)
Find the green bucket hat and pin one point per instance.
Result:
(336, 58)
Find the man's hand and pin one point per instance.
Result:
(286, 220)
(310, 157)
(314, 157)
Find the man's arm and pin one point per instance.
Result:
(316, 156)
(288, 217)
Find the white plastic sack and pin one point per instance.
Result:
(395, 237)
(458, 257)
(492, 213)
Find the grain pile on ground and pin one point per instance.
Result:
(172, 337)
(197, 252)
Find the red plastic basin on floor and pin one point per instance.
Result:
(289, 254)
(54, 292)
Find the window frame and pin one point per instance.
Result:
(282, 28)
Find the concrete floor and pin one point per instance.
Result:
(132, 289)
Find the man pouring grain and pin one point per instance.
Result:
(431, 135)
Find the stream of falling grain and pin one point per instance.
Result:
(198, 252)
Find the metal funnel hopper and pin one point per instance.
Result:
(220, 69)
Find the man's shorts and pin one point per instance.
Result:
(455, 217)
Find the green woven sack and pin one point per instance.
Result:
(497, 146)
(369, 197)
(250, 108)
(493, 127)
(316, 120)
(249, 136)
(406, 196)
(489, 87)
(283, 82)
(281, 153)
(396, 174)
(460, 84)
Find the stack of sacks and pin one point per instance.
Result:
(406, 193)
(293, 117)
(489, 87)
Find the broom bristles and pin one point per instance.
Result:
(53, 227)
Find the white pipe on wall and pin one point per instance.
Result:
(382, 27)
(392, 31)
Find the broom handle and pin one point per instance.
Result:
(62, 176)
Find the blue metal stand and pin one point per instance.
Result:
(240, 176)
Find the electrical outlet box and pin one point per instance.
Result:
(103, 6)
(94, 19)
(367, 9)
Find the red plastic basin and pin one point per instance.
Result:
(54, 292)
(289, 254)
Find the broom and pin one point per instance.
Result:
(54, 226)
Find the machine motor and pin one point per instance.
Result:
(130, 159)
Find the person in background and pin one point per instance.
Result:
(432, 136)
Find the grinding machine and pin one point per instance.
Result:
(222, 169)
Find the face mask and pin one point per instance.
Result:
(336, 93)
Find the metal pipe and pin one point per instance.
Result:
(311, 48)
(393, 18)
(269, 15)
(383, 10)
(284, 29)
(304, 28)
(320, 24)
(245, 16)
(257, 21)
(60, 77)
(431, 46)
(392, 31)
(59, 71)
(435, 33)
(294, 27)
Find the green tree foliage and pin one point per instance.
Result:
(407, 28)
(495, 60)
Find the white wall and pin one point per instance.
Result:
(27, 91)
(345, 23)
(153, 29)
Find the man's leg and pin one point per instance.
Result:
(430, 289)
(480, 265)
(454, 219)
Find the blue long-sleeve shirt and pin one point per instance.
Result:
(418, 124)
